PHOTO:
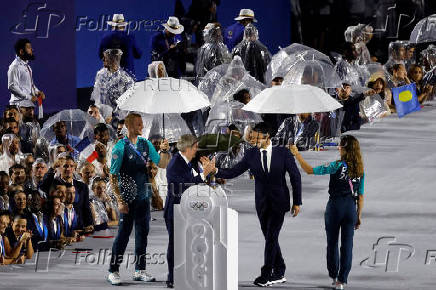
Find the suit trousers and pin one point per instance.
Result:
(271, 223)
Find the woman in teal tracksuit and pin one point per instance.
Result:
(345, 187)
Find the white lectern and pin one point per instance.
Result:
(205, 241)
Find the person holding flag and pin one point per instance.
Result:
(20, 78)
(129, 180)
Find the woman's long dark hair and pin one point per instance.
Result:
(350, 153)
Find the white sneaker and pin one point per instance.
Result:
(339, 286)
(142, 275)
(114, 278)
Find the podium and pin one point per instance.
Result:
(205, 241)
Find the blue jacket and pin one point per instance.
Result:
(173, 59)
(125, 42)
(271, 191)
(179, 178)
(233, 35)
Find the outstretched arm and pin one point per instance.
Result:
(306, 167)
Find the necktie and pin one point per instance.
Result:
(265, 161)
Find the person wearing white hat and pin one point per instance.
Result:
(234, 33)
(119, 38)
(167, 46)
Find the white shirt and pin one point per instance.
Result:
(268, 156)
(193, 171)
(20, 81)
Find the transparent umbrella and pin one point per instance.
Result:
(283, 61)
(313, 72)
(78, 122)
(424, 31)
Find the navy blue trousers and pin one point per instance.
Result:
(139, 214)
(340, 217)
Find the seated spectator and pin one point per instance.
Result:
(11, 151)
(20, 240)
(351, 119)
(101, 135)
(69, 217)
(17, 174)
(20, 206)
(102, 206)
(379, 85)
(298, 130)
(87, 172)
(39, 170)
(62, 137)
(38, 226)
(397, 54)
(53, 220)
(94, 112)
(12, 126)
(242, 96)
(399, 78)
(422, 91)
(4, 184)
(5, 247)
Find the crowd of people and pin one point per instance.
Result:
(54, 192)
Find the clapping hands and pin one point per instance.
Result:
(208, 165)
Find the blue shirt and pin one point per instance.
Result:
(127, 44)
(142, 146)
(72, 141)
(333, 168)
(233, 35)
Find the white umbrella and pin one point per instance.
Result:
(292, 99)
(163, 96)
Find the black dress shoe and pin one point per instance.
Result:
(261, 282)
(170, 284)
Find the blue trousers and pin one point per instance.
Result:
(139, 214)
(340, 216)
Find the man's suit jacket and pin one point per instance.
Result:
(271, 191)
(179, 178)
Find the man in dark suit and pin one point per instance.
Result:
(81, 202)
(269, 165)
(180, 175)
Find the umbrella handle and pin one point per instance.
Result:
(163, 126)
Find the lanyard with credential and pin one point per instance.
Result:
(127, 141)
(2, 247)
(349, 179)
(43, 232)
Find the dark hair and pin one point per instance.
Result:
(232, 127)
(100, 128)
(19, 217)
(69, 158)
(121, 122)
(3, 173)
(20, 44)
(263, 128)
(239, 96)
(48, 206)
(15, 166)
(397, 66)
(6, 213)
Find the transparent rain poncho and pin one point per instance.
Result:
(213, 52)
(282, 62)
(53, 152)
(397, 54)
(253, 53)
(235, 79)
(111, 81)
(175, 126)
(424, 31)
(99, 210)
(313, 72)
(360, 35)
(42, 149)
(373, 108)
(7, 159)
(428, 58)
(209, 82)
(227, 113)
(78, 123)
(157, 69)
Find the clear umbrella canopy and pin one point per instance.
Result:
(78, 123)
(424, 31)
(235, 79)
(283, 61)
(313, 72)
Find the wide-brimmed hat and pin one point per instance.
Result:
(246, 14)
(173, 25)
(118, 20)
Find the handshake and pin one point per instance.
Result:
(208, 165)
